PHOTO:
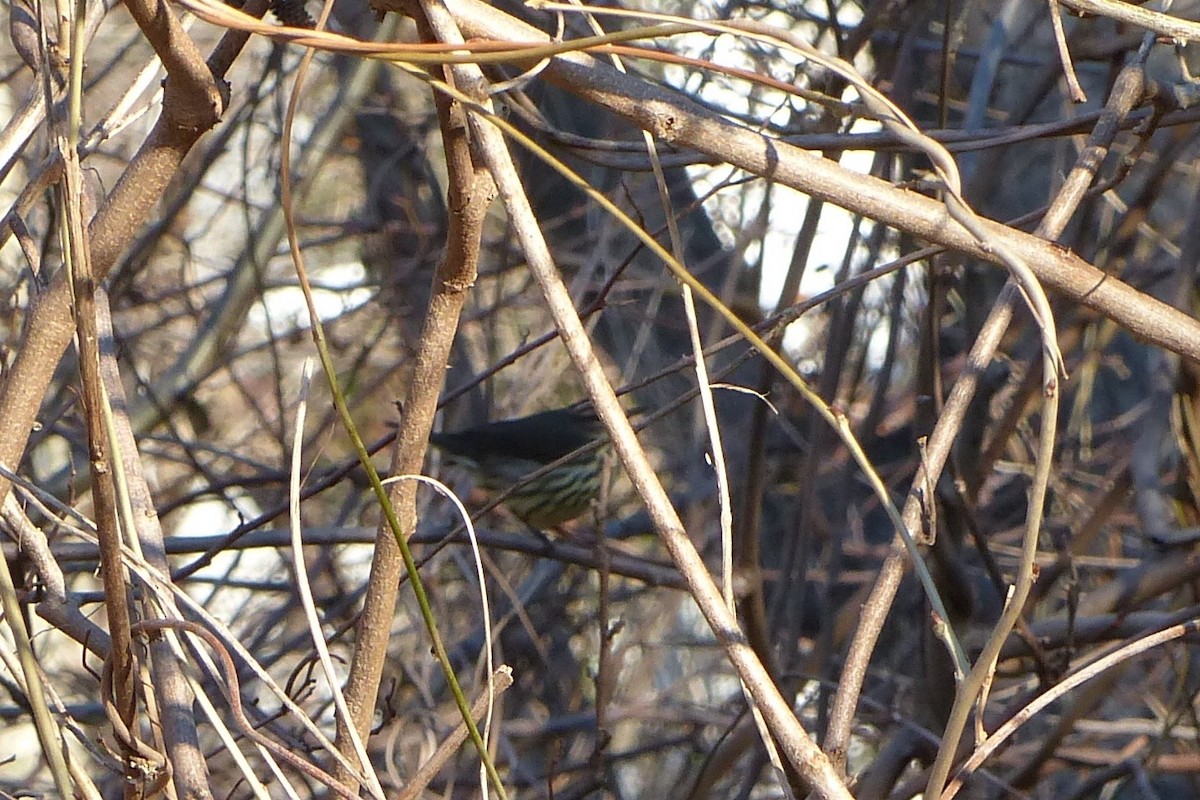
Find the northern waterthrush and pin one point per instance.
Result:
(505, 454)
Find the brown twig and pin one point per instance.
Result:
(470, 195)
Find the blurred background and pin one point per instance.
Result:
(211, 329)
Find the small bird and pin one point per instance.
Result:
(503, 454)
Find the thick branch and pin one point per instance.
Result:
(678, 120)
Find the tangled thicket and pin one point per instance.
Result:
(625, 683)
